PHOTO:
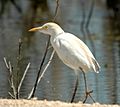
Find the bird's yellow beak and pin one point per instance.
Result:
(35, 29)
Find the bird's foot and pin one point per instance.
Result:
(88, 93)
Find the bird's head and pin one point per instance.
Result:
(50, 28)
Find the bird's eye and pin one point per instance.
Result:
(45, 27)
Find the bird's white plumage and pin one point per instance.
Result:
(70, 49)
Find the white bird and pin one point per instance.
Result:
(71, 50)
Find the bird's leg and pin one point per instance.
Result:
(75, 89)
(87, 93)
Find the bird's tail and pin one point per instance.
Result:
(96, 66)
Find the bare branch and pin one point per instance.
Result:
(31, 95)
(16, 90)
(12, 80)
(18, 67)
(20, 84)
(19, 49)
(56, 10)
(42, 62)
(47, 65)
(5, 60)
(11, 95)
(10, 69)
(39, 79)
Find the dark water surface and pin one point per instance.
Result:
(58, 82)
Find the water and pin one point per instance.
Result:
(59, 80)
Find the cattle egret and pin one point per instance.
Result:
(71, 50)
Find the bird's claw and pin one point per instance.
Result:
(88, 93)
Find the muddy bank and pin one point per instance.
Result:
(39, 103)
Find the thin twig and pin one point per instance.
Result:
(11, 95)
(56, 10)
(20, 84)
(47, 65)
(39, 79)
(9, 68)
(19, 49)
(42, 62)
(32, 93)
(12, 80)
(16, 90)
(18, 67)
(6, 63)
(18, 8)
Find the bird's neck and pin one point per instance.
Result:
(60, 33)
(55, 35)
(56, 32)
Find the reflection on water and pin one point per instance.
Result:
(58, 82)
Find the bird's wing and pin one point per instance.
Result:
(69, 53)
(78, 44)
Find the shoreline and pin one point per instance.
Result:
(45, 103)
